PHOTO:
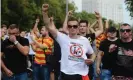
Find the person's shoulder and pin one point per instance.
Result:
(5, 41)
(83, 38)
(90, 34)
(50, 38)
(118, 40)
(105, 41)
(23, 39)
(62, 34)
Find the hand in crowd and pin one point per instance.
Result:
(37, 20)
(70, 13)
(112, 47)
(45, 8)
(89, 61)
(106, 20)
(9, 73)
(97, 15)
(12, 38)
(98, 71)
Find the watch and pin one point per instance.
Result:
(16, 42)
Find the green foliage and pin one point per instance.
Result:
(25, 12)
(112, 23)
(20, 12)
(130, 6)
(86, 16)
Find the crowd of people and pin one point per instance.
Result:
(76, 51)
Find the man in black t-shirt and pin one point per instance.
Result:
(14, 52)
(123, 69)
(107, 59)
(84, 31)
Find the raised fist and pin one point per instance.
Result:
(97, 15)
(37, 20)
(105, 20)
(70, 13)
(45, 7)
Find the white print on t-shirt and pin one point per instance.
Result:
(127, 52)
(89, 38)
(76, 52)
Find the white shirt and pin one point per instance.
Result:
(74, 54)
(31, 52)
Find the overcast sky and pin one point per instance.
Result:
(127, 18)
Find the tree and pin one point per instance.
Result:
(130, 6)
(86, 16)
(24, 12)
(21, 12)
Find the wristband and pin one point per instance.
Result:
(16, 42)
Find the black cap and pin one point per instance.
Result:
(111, 29)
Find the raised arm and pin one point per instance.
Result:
(48, 21)
(65, 22)
(100, 24)
(35, 28)
(37, 44)
(91, 27)
(106, 24)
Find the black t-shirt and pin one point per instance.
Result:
(108, 59)
(14, 60)
(90, 37)
(124, 63)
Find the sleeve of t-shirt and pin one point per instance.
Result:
(24, 42)
(61, 38)
(89, 48)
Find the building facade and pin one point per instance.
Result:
(110, 9)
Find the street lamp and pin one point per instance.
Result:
(66, 6)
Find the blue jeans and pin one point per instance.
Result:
(21, 76)
(106, 74)
(41, 72)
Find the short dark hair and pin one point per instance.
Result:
(13, 26)
(72, 19)
(84, 21)
(3, 25)
(125, 24)
(22, 31)
(111, 29)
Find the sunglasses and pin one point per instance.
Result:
(123, 30)
(74, 26)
